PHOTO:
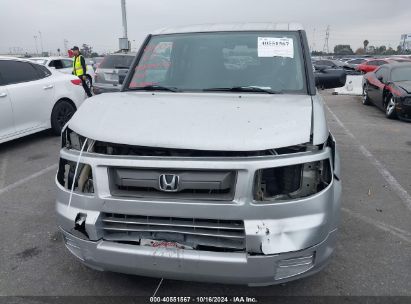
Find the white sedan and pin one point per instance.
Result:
(64, 65)
(34, 98)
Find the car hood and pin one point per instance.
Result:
(405, 85)
(199, 121)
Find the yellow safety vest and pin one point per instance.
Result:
(77, 67)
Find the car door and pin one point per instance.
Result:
(375, 86)
(30, 93)
(6, 112)
(382, 82)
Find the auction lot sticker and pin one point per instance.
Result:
(275, 47)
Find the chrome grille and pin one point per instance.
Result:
(203, 234)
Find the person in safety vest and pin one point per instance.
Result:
(80, 69)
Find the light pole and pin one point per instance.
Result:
(124, 44)
(41, 43)
(35, 43)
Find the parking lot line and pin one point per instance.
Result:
(158, 287)
(389, 178)
(402, 234)
(26, 179)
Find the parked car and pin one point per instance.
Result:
(353, 63)
(389, 88)
(109, 70)
(329, 63)
(64, 65)
(370, 65)
(204, 170)
(94, 62)
(34, 98)
(323, 64)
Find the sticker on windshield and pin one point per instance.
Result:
(275, 47)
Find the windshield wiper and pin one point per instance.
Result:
(155, 88)
(244, 89)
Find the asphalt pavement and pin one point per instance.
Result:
(373, 256)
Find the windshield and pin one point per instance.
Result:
(215, 61)
(116, 62)
(401, 74)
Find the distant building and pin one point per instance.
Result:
(405, 42)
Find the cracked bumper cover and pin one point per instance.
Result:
(295, 238)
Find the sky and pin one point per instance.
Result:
(99, 24)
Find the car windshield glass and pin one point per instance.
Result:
(401, 74)
(220, 62)
(116, 62)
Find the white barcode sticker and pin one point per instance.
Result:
(275, 47)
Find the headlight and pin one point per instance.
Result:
(72, 140)
(407, 101)
(292, 182)
(83, 181)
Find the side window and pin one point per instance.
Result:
(1, 70)
(67, 63)
(382, 72)
(58, 64)
(372, 62)
(17, 71)
(42, 71)
(379, 73)
(381, 62)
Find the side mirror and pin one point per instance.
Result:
(380, 78)
(122, 76)
(330, 79)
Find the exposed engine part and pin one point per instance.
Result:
(84, 180)
(80, 224)
(291, 182)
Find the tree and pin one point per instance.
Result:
(390, 51)
(366, 43)
(381, 50)
(86, 50)
(343, 49)
(360, 51)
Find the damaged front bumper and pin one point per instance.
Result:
(231, 268)
(283, 240)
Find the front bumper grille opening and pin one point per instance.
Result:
(192, 184)
(199, 192)
(200, 234)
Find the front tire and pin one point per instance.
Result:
(61, 114)
(365, 97)
(390, 111)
